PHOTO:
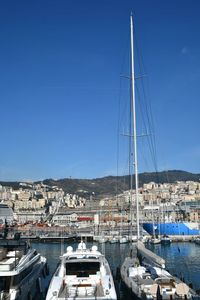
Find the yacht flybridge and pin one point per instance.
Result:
(82, 274)
(22, 270)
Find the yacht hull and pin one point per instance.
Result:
(22, 271)
(83, 274)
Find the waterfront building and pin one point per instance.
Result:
(34, 216)
(63, 219)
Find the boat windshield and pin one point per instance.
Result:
(5, 283)
(82, 269)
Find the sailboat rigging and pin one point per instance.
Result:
(143, 272)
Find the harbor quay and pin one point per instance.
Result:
(60, 234)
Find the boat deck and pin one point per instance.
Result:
(9, 259)
(80, 293)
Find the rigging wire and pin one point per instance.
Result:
(146, 108)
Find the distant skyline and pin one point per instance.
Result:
(60, 68)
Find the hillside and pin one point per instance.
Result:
(111, 185)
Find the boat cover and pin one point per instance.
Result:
(149, 255)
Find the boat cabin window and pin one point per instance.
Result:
(5, 283)
(82, 269)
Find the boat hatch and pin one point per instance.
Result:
(168, 281)
(82, 269)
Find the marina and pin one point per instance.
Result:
(182, 259)
(67, 232)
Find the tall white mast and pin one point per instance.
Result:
(134, 128)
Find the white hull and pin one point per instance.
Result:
(123, 240)
(113, 241)
(146, 281)
(102, 241)
(83, 274)
(155, 241)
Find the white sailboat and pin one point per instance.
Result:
(143, 272)
(82, 274)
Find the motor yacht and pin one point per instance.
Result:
(22, 270)
(82, 274)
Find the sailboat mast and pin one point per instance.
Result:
(134, 128)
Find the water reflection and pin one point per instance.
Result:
(183, 260)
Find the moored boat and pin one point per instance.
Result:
(145, 275)
(165, 240)
(82, 274)
(22, 270)
(123, 240)
(196, 240)
(113, 240)
(155, 241)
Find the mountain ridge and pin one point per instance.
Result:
(111, 185)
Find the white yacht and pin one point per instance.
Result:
(22, 270)
(82, 274)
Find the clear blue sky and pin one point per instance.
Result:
(60, 65)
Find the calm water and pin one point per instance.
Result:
(182, 259)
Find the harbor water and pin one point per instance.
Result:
(182, 259)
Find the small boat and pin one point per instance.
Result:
(102, 240)
(165, 240)
(197, 240)
(82, 274)
(123, 240)
(22, 270)
(133, 238)
(113, 240)
(155, 241)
